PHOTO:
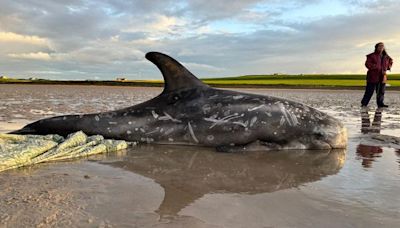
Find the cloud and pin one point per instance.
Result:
(31, 56)
(14, 37)
(104, 38)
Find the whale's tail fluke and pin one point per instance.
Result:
(176, 76)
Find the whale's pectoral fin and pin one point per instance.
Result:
(176, 76)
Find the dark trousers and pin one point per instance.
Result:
(369, 91)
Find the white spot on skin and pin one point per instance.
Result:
(130, 123)
(113, 123)
(148, 140)
(97, 118)
(128, 132)
(192, 133)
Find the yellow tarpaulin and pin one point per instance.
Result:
(23, 150)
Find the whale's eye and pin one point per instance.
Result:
(173, 98)
(319, 135)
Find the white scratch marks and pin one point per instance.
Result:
(241, 123)
(168, 117)
(192, 133)
(255, 108)
(226, 119)
(290, 118)
(253, 121)
(155, 115)
(154, 131)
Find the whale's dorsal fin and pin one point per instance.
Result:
(175, 75)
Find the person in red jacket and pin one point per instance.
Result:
(377, 63)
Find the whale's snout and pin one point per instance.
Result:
(334, 135)
(338, 140)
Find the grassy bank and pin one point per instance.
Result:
(301, 80)
(275, 81)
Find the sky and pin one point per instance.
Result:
(105, 39)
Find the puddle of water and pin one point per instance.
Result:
(182, 186)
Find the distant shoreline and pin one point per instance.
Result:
(330, 82)
(144, 84)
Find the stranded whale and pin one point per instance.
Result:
(190, 112)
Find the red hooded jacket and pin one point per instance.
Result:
(377, 67)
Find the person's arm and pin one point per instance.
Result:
(390, 63)
(370, 64)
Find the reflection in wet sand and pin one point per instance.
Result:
(188, 173)
(368, 153)
(366, 126)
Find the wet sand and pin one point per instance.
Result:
(181, 186)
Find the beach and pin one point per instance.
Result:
(184, 186)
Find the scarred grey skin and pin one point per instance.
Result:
(192, 113)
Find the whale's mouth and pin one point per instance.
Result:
(327, 137)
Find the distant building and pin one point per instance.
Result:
(121, 79)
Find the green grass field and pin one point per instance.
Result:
(301, 81)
